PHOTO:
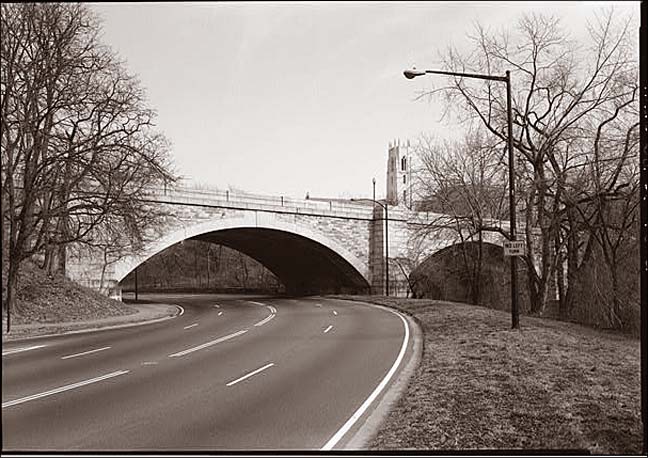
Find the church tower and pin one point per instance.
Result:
(399, 174)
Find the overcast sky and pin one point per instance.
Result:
(295, 97)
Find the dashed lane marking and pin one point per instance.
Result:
(89, 352)
(265, 320)
(208, 344)
(254, 372)
(191, 326)
(328, 329)
(61, 389)
(257, 303)
(20, 350)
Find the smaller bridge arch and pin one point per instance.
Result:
(453, 273)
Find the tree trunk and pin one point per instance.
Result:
(62, 259)
(12, 286)
(615, 320)
(478, 274)
(560, 280)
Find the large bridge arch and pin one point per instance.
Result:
(277, 244)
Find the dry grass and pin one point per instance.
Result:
(480, 385)
(44, 299)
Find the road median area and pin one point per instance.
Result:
(551, 385)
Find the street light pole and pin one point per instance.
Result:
(374, 188)
(386, 250)
(384, 206)
(409, 74)
(515, 313)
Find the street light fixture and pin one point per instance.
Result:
(386, 239)
(413, 73)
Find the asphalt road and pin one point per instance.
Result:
(228, 374)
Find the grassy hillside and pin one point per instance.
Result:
(45, 299)
(480, 385)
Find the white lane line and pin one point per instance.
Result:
(272, 309)
(234, 382)
(208, 344)
(318, 305)
(181, 309)
(358, 413)
(334, 313)
(328, 329)
(85, 353)
(220, 313)
(18, 350)
(63, 388)
(265, 320)
(217, 306)
(257, 303)
(191, 326)
(149, 363)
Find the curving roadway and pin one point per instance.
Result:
(229, 373)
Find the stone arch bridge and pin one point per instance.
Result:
(312, 246)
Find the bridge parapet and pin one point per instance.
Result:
(248, 201)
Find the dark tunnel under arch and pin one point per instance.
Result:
(303, 265)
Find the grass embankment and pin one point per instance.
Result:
(42, 299)
(480, 385)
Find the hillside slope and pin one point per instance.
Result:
(45, 299)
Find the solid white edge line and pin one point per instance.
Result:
(254, 372)
(191, 326)
(85, 353)
(63, 388)
(265, 320)
(207, 344)
(18, 350)
(181, 309)
(358, 413)
(328, 329)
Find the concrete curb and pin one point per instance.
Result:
(369, 428)
(180, 311)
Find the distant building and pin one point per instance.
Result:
(400, 185)
(399, 175)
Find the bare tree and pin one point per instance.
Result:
(566, 98)
(462, 181)
(78, 146)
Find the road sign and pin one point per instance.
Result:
(514, 248)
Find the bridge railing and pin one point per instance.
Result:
(239, 199)
(192, 195)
